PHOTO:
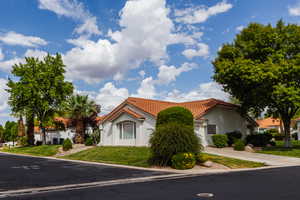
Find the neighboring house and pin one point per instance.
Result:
(269, 123)
(54, 135)
(298, 127)
(133, 121)
(57, 136)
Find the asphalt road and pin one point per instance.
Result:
(19, 172)
(266, 184)
(269, 184)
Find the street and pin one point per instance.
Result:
(276, 183)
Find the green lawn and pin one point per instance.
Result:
(43, 150)
(134, 156)
(138, 156)
(233, 163)
(280, 150)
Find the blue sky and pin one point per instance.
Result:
(160, 49)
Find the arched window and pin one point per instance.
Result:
(127, 130)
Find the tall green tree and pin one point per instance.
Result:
(40, 89)
(10, 131)
(1, 134)
(261, 69)
(82, 112)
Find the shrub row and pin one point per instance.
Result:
(187, 160)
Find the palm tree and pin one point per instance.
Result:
(82, 112)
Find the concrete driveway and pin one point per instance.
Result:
(272, 160)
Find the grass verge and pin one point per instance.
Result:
(43, 150)
(233, 163)
(138, 156)
(280, 150)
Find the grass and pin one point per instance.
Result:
(280, 150)
(43, 150)
(232, 162)
(138, 156)
(133, 156)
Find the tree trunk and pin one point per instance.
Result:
(43, 133)
(287, 133)
(30, 129)
(79, 132)
(21, 127)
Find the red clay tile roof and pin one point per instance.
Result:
(268, 122)
(125, 110)
(153, 107)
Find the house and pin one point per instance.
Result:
(269, 123)
(55, 135)
(297, 121)
(133, 121)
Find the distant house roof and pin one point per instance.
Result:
(268, 122)
(153, 107)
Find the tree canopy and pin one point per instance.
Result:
(261, 68)
(82, 111)
(40, 88)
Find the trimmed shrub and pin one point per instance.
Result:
(239, 145)
(220, 140)
(200, 158)
(170, 139)
(89, 141)
(259, 139)
(23, 141)
(67, 145)
(233, 136)
(295, 136)
(175, 115)
(183, 161)
(278, 137)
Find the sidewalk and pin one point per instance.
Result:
(268, 159)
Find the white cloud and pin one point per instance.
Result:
(168, 74)
(13, 38)
(1, 55)
(201, 14)
(239, 28)
(147, 89)
(201, 51)
(142, 73)
(145, 35)
(74, 10)
(203, 91)
(294, 10)
(6, 65)
(109, 97)
(3, 95)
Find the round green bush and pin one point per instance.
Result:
(200, 158)
(170, 139)
(89, 141)
(220, 140)
(233, 136)
(239, 145)
(176, 115)
(183, 161)
(67, 145)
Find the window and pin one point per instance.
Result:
(211, 129)
(127, 130)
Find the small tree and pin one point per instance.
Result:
(40, 89)
(261, 69)
(82, 112)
